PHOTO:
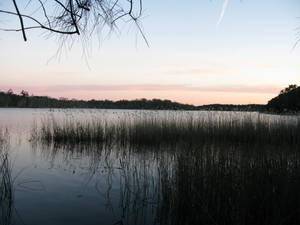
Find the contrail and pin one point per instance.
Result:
(222, 12)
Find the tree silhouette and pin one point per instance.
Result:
(74, 17)
(288, 89)
(287, 100)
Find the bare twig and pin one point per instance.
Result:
(73, 18)
(45, 13)
(40, 25)
(81, 17)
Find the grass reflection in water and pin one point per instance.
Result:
(6, 183)
(196, 183)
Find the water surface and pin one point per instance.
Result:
(96, 184)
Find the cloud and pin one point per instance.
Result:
(197, 69)
(256, 65)
(222, 12)
(258, 89)
(216, 71)
(229, 67)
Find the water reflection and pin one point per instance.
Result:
(69, 183)
(6, 182)
(127, 181)
(207, 184)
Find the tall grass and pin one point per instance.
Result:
(239, 169)
(236, 185)
(209, 183)
(6, 190)
(156, 130)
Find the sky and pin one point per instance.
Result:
(200, 52)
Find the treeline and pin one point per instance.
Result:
(231, 107)
(24, 100)
(287, 101)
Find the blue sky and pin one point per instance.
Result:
(248, 58)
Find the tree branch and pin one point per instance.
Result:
(73, 18)
(80, 17)
(21, 20)
(40, 24)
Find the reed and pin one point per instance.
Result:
(210, 183)
(155, 130)
(236, 185)
(239, 169)
(6, 189)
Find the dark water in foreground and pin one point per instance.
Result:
(93, 184)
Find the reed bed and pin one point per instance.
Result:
(6, 190)
(155, 130)
(209, 184)
(4, 138)
(234, 185)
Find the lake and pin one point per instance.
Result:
(220, 168)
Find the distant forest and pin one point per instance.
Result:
(287, 101)
(24, 100)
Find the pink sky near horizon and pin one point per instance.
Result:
(179, 93)
(247, 59)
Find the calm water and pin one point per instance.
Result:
(88, 184)
(82, 185)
